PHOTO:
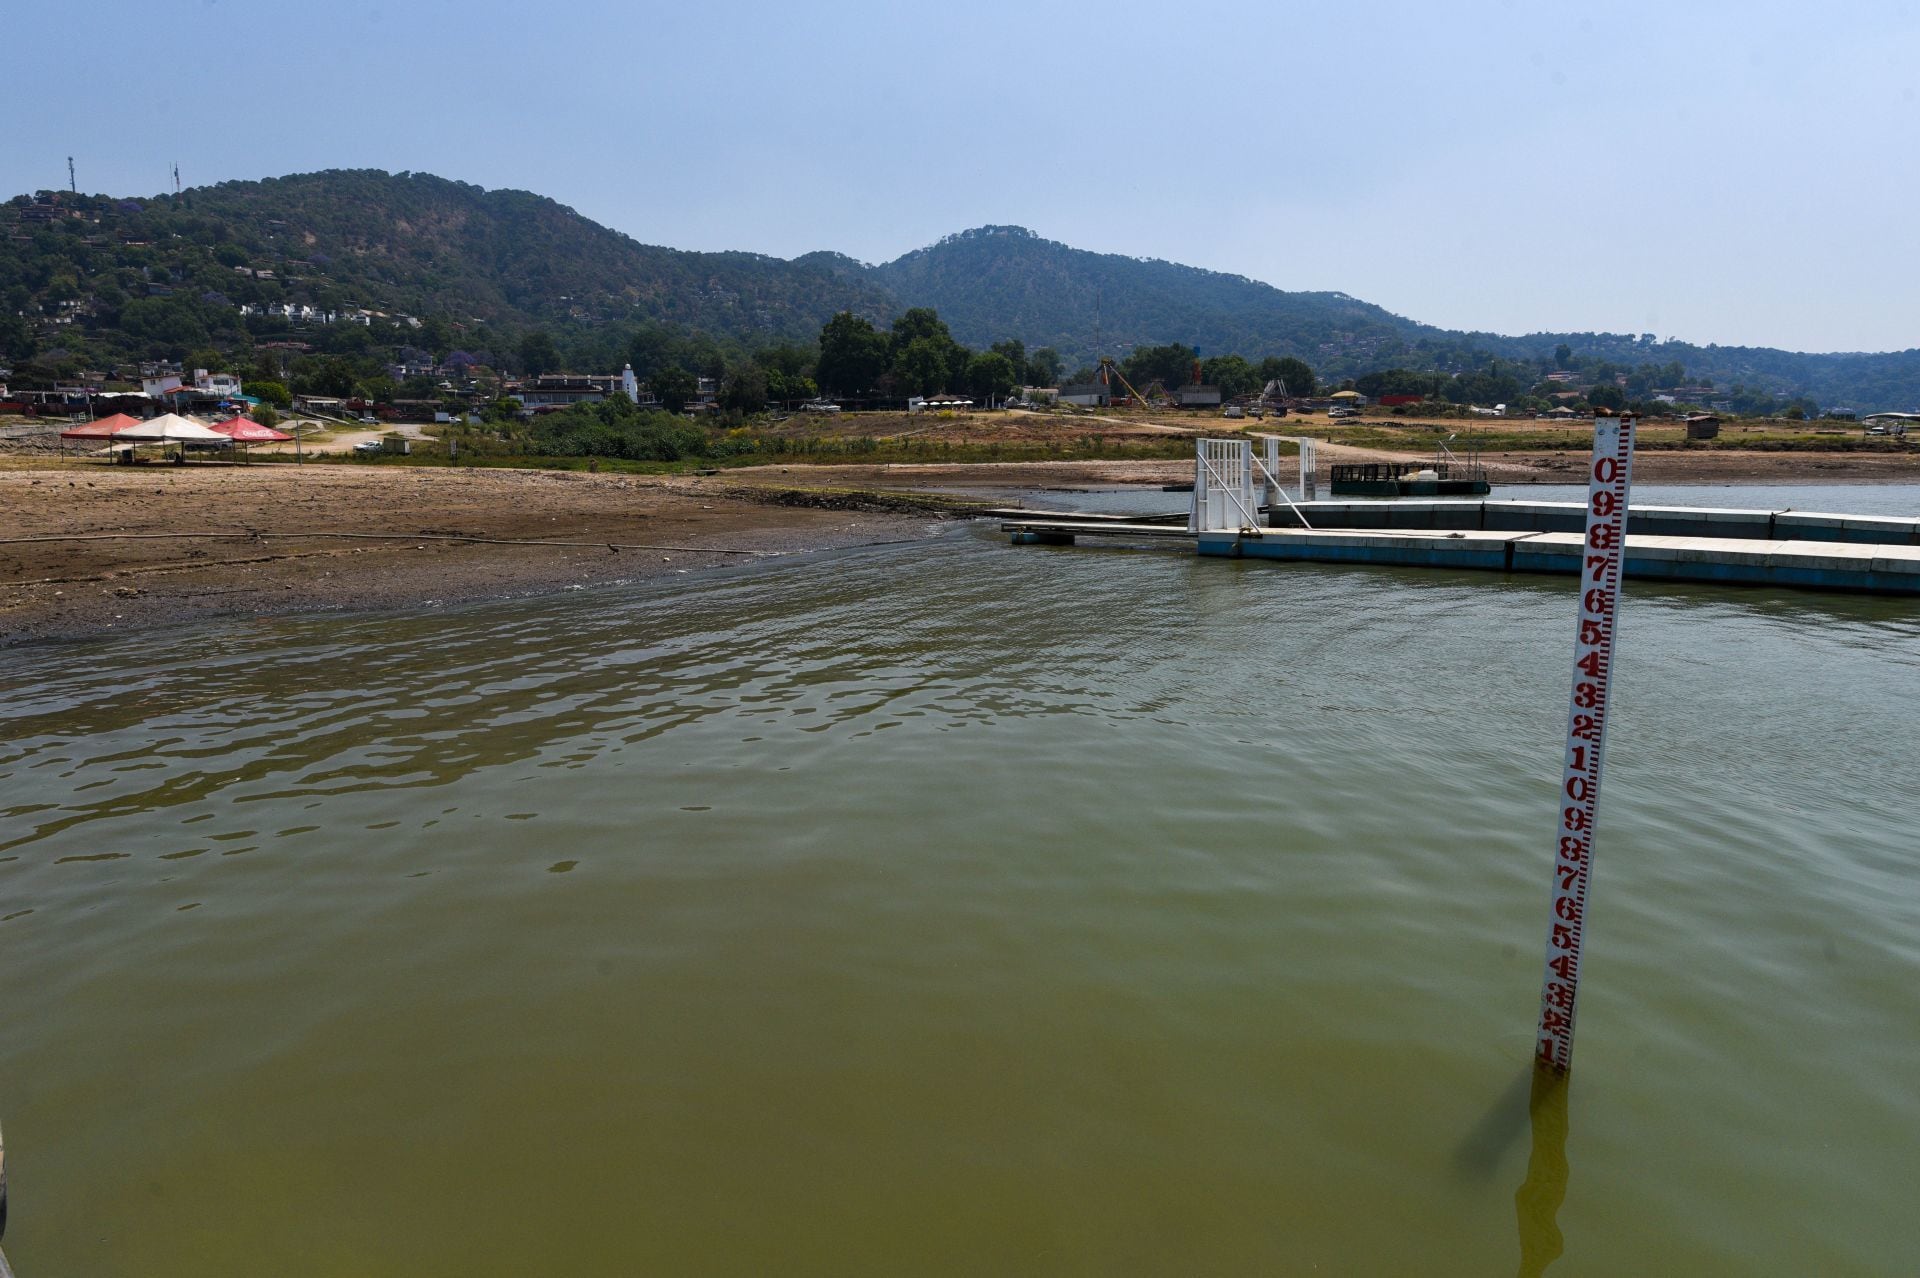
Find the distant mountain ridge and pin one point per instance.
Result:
(173, 271)
(997, 279)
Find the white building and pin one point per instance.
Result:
(225, 385)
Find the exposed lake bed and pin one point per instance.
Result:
(98, 549)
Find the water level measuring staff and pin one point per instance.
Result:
(1609, 478)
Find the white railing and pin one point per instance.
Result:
(1225, 475)
(1270, 468)
(1223, 497)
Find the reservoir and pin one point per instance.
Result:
(953, 908)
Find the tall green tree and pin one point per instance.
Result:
(745, 389)
(919, 322)
(673, 386)
(1043, 367)
(918, 338)
(1292, 373)
(990, 377)
(789, 387)
(1171, 365)
(1015, 352)
(1231, 373)
(853, 354)
(921, 366)
(787, 358)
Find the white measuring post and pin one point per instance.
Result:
(1609, 477)
(1306, 469)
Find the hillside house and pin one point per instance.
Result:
(224, 385)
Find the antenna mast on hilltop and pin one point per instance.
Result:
(72, 185)
(176, 177)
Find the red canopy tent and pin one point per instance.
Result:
(244, 430)
(100, 429)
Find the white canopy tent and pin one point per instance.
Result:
(169, 428)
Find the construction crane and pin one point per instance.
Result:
(1110, 373)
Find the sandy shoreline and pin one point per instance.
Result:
(132, 548)
(133, 551)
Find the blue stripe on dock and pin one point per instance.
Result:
(1570, 517)
(1878, 569)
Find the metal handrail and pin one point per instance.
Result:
(1251, 518)
(1281, 488)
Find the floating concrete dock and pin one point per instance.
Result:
(1798, 549)
(1813, 565)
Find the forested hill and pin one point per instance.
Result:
(406, 243)
(1004, 280)
(86, 281)
(997, 280)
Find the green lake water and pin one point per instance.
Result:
(960, 909)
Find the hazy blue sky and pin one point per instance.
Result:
(1742, 173)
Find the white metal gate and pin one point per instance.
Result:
(1230, 486)
(1223, 497)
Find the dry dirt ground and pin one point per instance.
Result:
(80, 581)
